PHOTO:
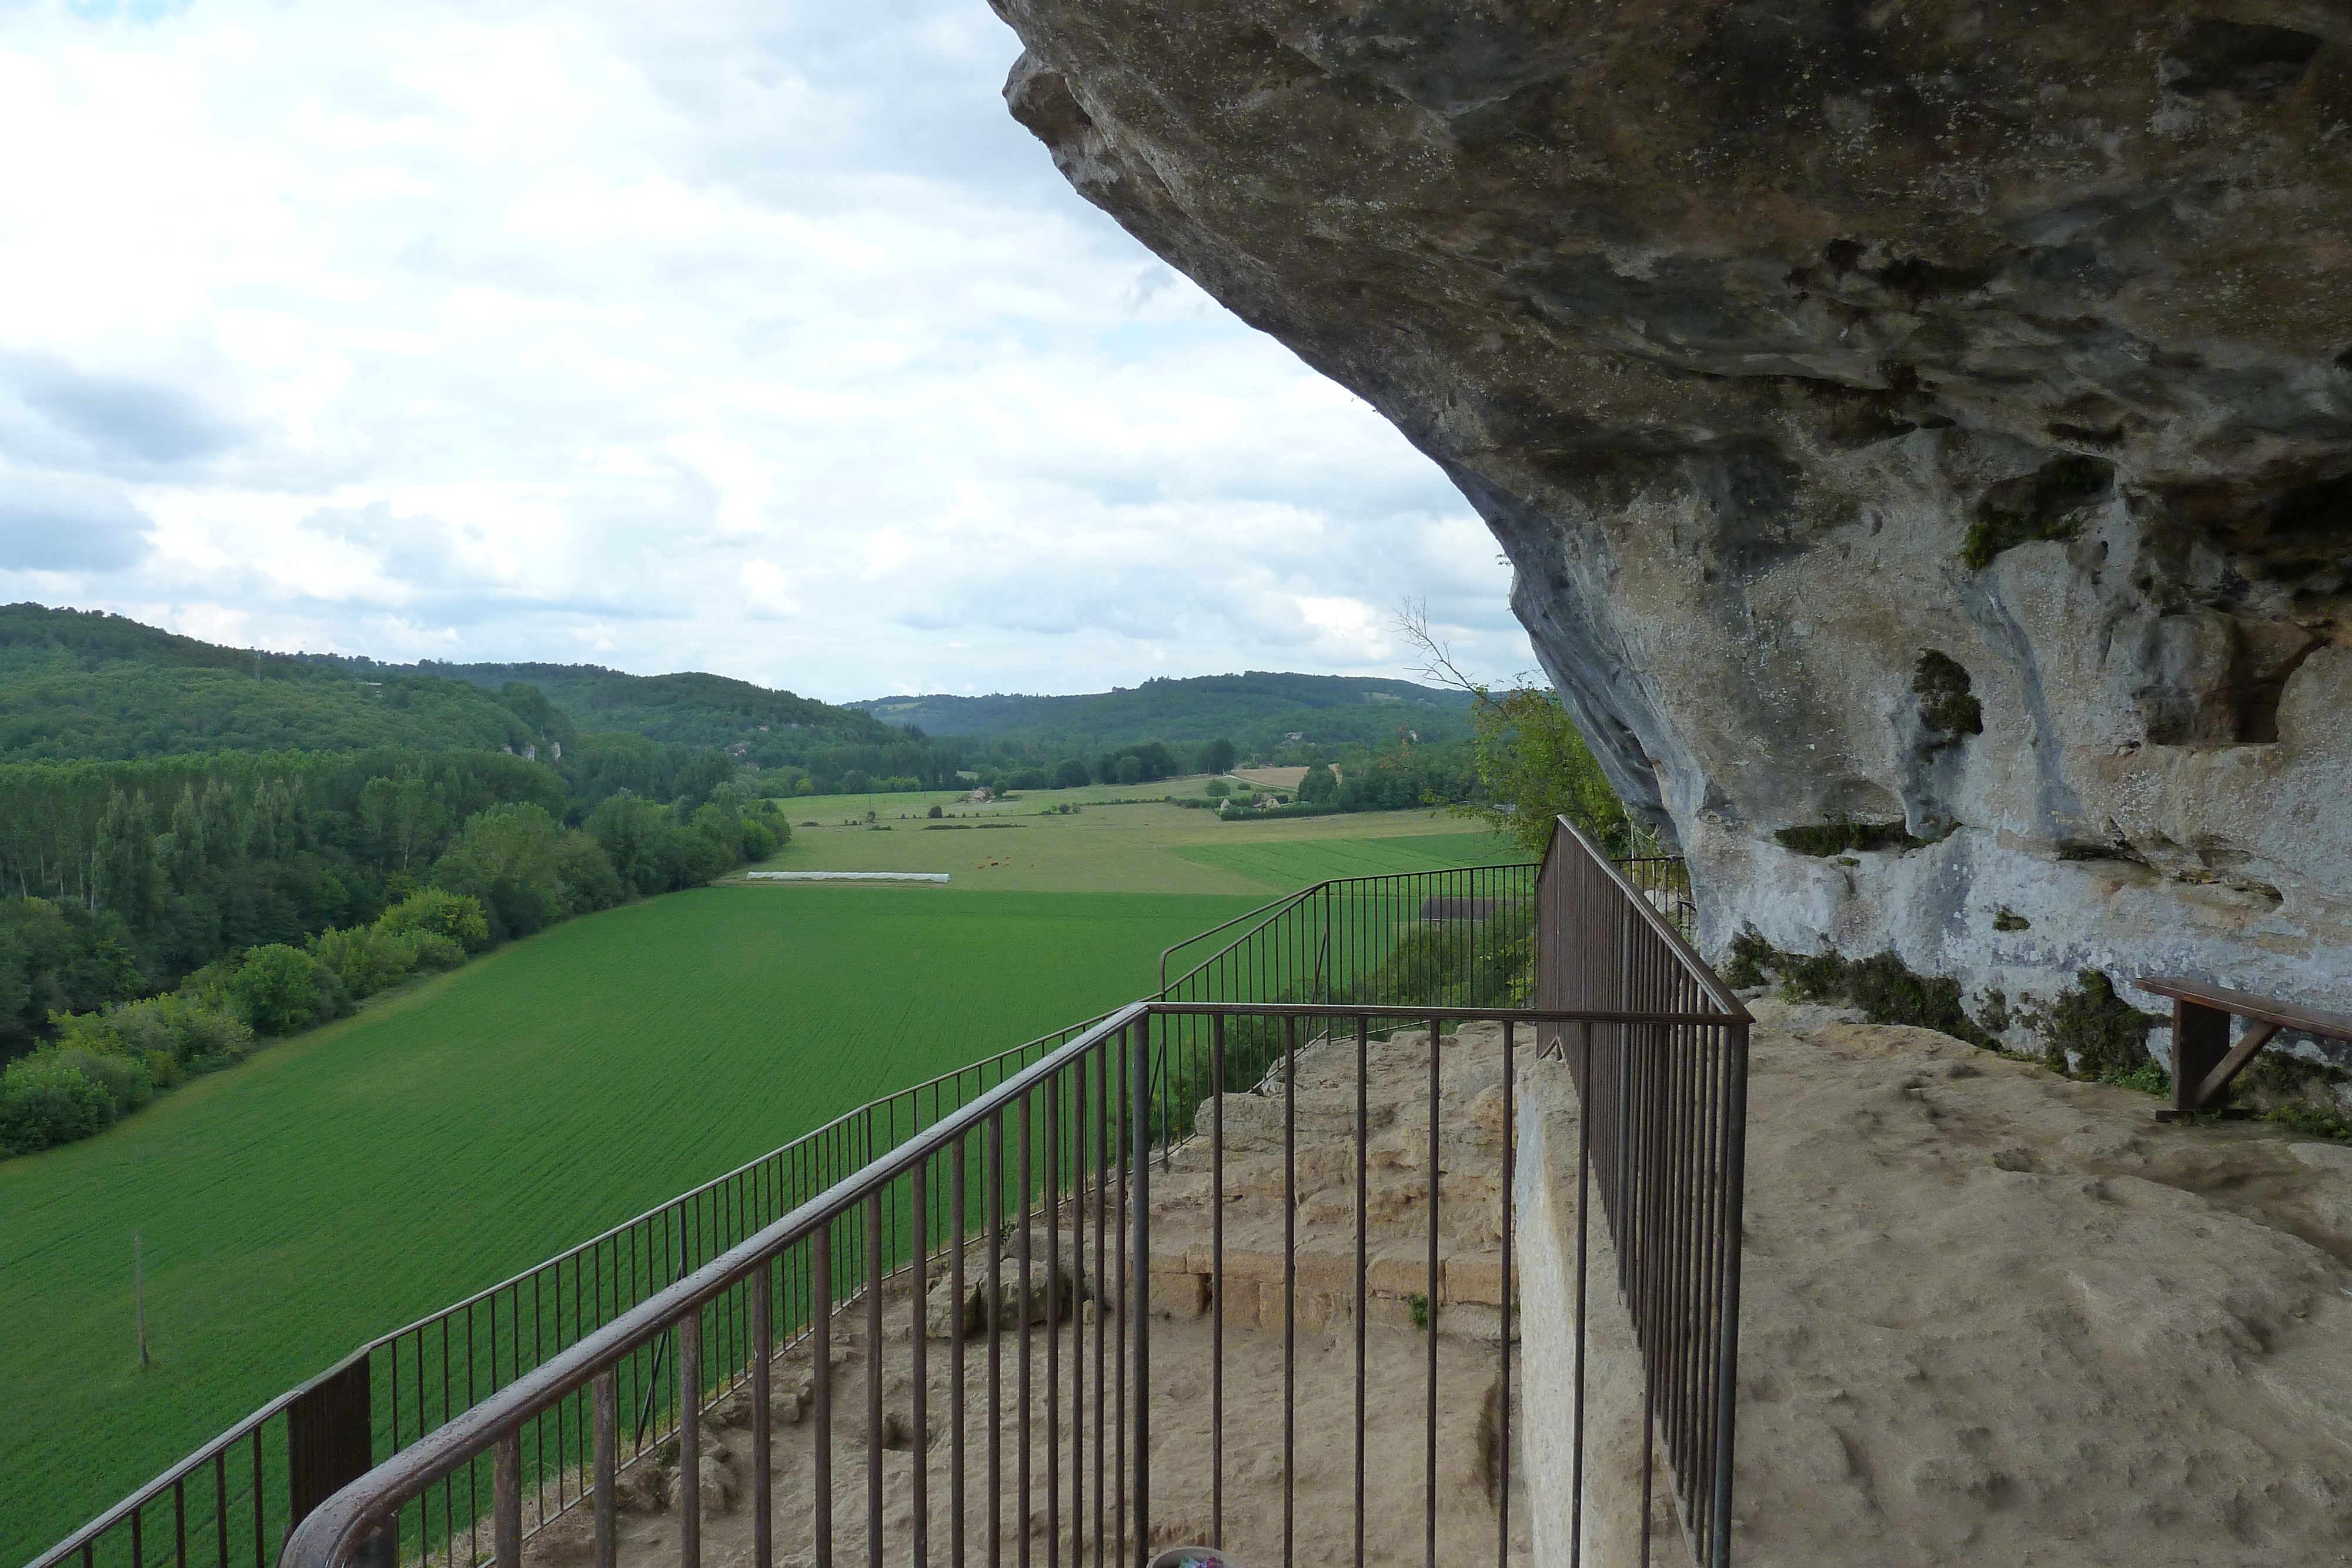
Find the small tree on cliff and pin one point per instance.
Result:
(1532, 763)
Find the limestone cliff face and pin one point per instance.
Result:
(1932, 411)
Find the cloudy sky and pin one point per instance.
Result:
(740, 335)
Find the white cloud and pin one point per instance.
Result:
(726, 335)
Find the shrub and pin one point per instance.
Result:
(452, 916)
(45, 1101)
(278, 990)
(1217, 789)
(366, 958)
(202, 1035)
(1071, 774)
(128, 1082)
(688, 859)
(630, 827)
(586, 874)
(186, 1032)
(507, 857)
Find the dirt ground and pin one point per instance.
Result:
(1993, 1317)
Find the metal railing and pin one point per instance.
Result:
(1401, 938)
(576, 1371)
(1051, 1412)
(1661, 1131)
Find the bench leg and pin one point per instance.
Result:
(2215, 1086)
(2201, 1041)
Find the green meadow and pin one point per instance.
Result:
(349, 1180)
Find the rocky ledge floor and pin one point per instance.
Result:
(1992, 1316)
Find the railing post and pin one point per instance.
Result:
(608, 1544)
(1140, 1313)
(689, 1439)
(764, 1351)
(1735, 1172)
(329, 1438)
(506, 1507)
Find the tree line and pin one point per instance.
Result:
(119, 879)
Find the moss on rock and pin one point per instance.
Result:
(2092, 1031)
(1825, 839)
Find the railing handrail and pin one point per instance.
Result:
(1274, 909)
(1698, 967)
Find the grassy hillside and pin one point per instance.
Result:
(1256, 710)
(337, 1186)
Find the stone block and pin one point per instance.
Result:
(1180, 1295)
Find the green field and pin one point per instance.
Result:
(1298, 862)
(348, 1181)
(1140, 848)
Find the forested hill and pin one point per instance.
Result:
(692, 709)
(1258, 710)
(81, 686)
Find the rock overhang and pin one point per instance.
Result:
(1794, 350)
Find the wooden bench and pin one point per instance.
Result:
(2203, 1060)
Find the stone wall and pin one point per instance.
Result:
(1929, 413)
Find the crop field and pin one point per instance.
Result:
(1141, 848)
(1299, 862)
(348, 1181)
(837, 809)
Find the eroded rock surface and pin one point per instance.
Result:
(1932, 412)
